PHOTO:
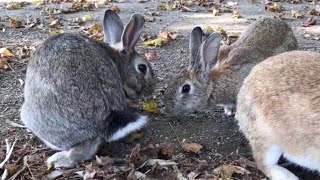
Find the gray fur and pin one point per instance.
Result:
(264, 38)
(74, 82)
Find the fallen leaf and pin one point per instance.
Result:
(103, 2)
(151, 106)
(156, 42)
(87, 17)
(15, 23)
(133, 137)
(192, 147)
(236, 14)
(216, 11)
(54, 23)
(151, 56)
(310, 22)
(14, 5)
(4, 52)
(4, 64)
(296, 14)
(275, 7)
(56, 32)
(38, 2)
(296, 1)
(226, 171)
(166, 151)
(315, 12)
(115, 9)
(168, 36)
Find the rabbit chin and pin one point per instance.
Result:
(130, 93)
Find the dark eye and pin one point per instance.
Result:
(142, 68)
(185, 88)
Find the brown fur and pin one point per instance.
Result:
(279, 104)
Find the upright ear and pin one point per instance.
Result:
(132, 31)
(194, 45)
(209, 52)
(112, 27)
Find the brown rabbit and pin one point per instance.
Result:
(215, 75)
(278, 110)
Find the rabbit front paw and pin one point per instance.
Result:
(61, 160)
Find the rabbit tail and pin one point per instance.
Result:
(122, 123)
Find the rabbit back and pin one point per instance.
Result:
(72, 84)
(278, 110)
(269, 35)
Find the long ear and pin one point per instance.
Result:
(194, 45)
(209, 52)
(112, 27)
(132, 31)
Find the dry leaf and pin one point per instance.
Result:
(151, 106)
(296, 14)
(4, 52)
(275, 7)
(103, 2)
(236, 14)
(4, 64)
(53, 32)
(315, 12)
(151, 56)
(14, 5)
(115, 9)
(168, 36)
(156, 42)
(192, 147)
(216, 11)
(38, 2)
(54, 23)
(15, 23)
(133, 137)
(226, 171)
(310, 22)
(87, 17)
(296, 1)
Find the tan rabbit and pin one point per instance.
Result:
(278, 110)
(215, 75)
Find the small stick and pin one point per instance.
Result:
(178, 139)
(8, 151)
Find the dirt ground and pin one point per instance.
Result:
(219, 134)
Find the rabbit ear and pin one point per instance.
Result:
(194, 45)
(209, 52)
(132, 31)
(112, 27)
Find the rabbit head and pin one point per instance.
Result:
(191, 89)
(136, 72)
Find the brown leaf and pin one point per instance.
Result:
(168, 36)
(166, 151)
(133, 137)
(315, 12)
(4, 64)
(296, 14)
(151, 56)
(4, 52)
(236, 14)
(310, 22)
(226, 171)
(192, 147)
(15, 23)
(274, 7)
(14, 5)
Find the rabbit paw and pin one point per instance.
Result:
(61, 159)
(279, 173)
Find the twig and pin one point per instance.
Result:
(175, 134)
(4, 175)
(8, 152)
(25, 165)
(13, 124)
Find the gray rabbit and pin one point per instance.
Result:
(215, 74)
(76, 90)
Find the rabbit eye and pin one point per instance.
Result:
(186, 88)
(142, 68)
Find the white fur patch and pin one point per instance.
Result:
(131, 127)
(308, 160)
(51, 145)
(273, 155)
(279, 173)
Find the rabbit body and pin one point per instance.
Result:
(278, 110)
(76, 90)
(215, 75)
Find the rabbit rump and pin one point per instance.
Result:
(215, 75)
(76, 90)
(278, 110)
